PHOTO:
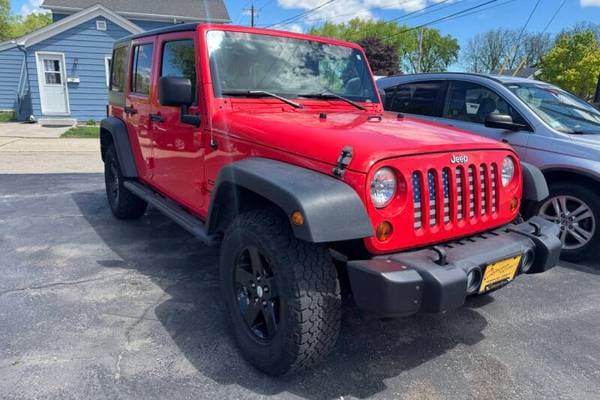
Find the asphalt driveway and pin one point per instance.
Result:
(95, 308)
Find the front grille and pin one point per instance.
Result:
(454, 194)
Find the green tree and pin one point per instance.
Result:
(574, 63)
(432, 53)
(20, 26)
(437, 52)
(4, 20)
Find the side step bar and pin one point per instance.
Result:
(172, 210)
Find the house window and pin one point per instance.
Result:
(52, 72)
(101, 25)
(119, 70)
(107, 66)
(179, 60)
(142, 69)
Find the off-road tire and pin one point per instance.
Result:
(123, 203)
(589, 197)
(308, 288)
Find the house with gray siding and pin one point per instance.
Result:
(59, 73)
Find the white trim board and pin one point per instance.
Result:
(71, 22)
(41, 78)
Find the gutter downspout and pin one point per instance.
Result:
(24, 82)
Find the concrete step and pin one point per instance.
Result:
(57, 121)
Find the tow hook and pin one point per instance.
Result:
(343, 161)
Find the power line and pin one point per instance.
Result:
(482, 10)
(455, 14)
(302, 14)
(554, 16)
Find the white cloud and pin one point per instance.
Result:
(32, 6)
(345, 10)
(589, 3)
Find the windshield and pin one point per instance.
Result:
(243, 62)
(559, 109)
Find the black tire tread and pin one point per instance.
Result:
(129, 205)
(315, 306)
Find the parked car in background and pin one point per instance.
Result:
(547, 126)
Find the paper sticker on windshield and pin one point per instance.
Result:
(472, 108)
(358, 57)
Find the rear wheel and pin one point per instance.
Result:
(576, 209)
(282, 294)
(123, 203)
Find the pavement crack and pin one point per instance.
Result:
(59, 284)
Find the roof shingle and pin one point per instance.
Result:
(200, 10)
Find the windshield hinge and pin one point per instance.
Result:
(343, 161)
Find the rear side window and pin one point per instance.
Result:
(119, 69)
(141, 75)
(179, 60)
(422, 98)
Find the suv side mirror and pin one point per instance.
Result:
(502, 121)
(177, 92)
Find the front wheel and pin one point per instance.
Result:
(576, 209)
(282, 294)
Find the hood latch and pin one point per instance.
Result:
(343, 161)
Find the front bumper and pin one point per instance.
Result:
(435, 279)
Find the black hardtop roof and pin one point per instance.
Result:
(168, 29)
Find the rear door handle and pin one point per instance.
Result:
(130, 110)
(156, 118)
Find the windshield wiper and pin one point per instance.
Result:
(331, 95)
(261, 93)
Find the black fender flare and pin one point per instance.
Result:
(120, 139)
(332, 209)
(535, 187)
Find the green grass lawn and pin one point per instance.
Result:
(82, 132)
(7, 116)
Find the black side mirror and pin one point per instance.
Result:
(178, 92)
(502, 121)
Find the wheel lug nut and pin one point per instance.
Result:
(253, 285)
(258, 279)
(266, 289)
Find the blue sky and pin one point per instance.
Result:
(501, 13)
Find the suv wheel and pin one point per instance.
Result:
(282, 294)
(123, 203)
(577, 210)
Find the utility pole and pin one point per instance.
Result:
(253, 11)
(419, 61)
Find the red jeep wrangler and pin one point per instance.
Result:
(274, 145)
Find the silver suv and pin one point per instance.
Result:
(548, 127)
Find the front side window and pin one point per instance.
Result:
(421, 98)
(142, 69)
(119, 69)
(559, 109)
(471, 102)
(179, 60)
(242, 62)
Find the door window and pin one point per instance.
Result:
(471, 102)
(52, 72)
(422, 98)
(179, 60)
(142, 69)
(118, 69)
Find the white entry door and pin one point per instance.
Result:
(53, 83)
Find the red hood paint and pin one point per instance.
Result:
(304, 133)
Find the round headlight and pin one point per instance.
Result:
(508, 170)
(383, 187)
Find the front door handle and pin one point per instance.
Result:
(130, 110)
(156, 118)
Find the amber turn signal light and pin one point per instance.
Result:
(384, 231)
(297, 218)
(514, 204)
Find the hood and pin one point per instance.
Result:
(372, 138)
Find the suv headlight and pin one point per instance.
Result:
(508, 171)
(383, 187)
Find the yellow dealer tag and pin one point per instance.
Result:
(499, 273)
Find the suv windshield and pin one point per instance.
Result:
(244, 62)
(559, 109)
